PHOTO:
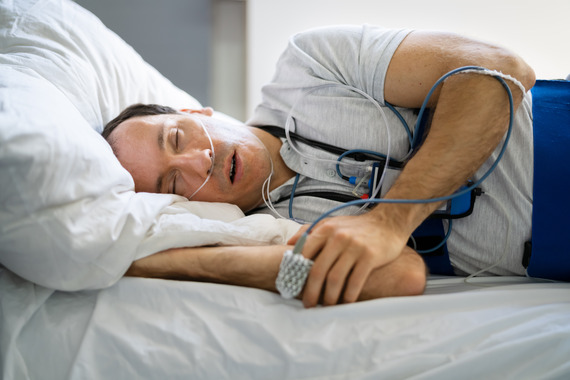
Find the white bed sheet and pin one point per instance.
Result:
(158, 329)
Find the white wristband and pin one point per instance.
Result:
(293, 273)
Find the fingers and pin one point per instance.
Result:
(345, 253)
(328, 270)
(298, 234)
(342, 264)
(337, 278)
(346, 277)
(356, 282)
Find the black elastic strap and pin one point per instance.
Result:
(280, 133)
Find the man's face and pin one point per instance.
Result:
(172, 154)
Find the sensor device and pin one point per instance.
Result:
(293, 271)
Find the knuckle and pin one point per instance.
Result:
(368, 255)
(342, 237)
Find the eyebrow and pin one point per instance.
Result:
(160, 142)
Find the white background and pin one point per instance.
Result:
(536, 30)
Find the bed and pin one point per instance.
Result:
(71, 224)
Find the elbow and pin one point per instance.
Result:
(414, 273)
(413, 278)
(522, 71)
(513, 65)
(414, 283)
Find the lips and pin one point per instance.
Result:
(233, 168)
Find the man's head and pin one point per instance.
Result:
(168, 151)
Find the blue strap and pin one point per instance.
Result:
(550, 257)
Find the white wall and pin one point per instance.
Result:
(537, 30)
(227, 74)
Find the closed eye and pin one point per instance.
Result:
(176, 149)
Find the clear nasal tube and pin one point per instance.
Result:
(212, 158)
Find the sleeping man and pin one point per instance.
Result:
(331, 93)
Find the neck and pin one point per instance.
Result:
(281, 172)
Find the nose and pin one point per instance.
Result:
(195, 162)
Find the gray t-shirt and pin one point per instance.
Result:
(311, 85)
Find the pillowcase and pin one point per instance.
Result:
(69, 218)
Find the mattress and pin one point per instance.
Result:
(508, 327)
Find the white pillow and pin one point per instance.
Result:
(69, 218)
(67, 45)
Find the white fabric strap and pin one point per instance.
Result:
(495, 73)
(293, 273)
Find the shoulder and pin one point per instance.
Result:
(338, 46)
(327, 32)
(341, 34)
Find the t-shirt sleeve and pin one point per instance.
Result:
(356, 56)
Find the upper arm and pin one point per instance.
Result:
(424, 56)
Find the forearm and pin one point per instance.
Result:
(257, 267)
(470, 119)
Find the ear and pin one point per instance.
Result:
(208, 111)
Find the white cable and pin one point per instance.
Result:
(336, 162)
(350, 88)
(289, 118)
(266, 191)
(212, 158)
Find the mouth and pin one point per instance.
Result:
(233, 169)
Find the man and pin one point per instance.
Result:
(314, 82)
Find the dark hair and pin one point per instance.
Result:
(134, 111)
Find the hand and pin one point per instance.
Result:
(345, 250)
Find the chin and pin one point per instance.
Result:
(250, 206)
